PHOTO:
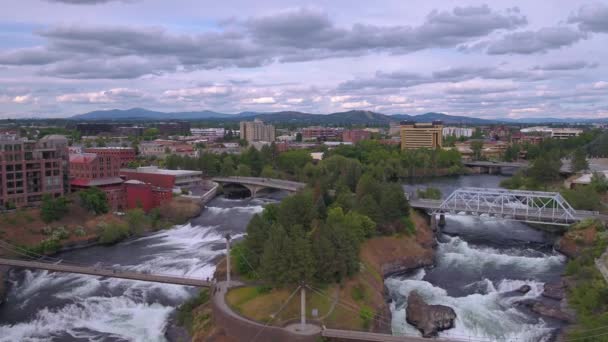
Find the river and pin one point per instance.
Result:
(480, 263)
(43, 306)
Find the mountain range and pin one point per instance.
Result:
(353, 117)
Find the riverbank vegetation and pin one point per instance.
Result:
(72, 223)
(588, 293)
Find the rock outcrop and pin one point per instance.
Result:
(555, 290)
(524, 289)
(547, 310)
(574, 241)
(429, 319)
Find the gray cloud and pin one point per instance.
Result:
(86, 2)
(529, 42)
(408, 79)
(291, 36)
(571, 65)
(593, 17)
(30, 56)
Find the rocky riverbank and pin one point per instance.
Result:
(3, 272)
(387, 256)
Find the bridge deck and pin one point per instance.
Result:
(531, 214)
(106, 273)
(265, 182)
(367, 336)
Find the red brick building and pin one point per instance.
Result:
(30, 169)
(144, 195)
(89, 170)
(126, 154)
(355, 135)
(321, 133)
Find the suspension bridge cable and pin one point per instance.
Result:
(276, 313)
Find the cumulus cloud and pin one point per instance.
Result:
(105, 96)
(591, 17)
(540, 41)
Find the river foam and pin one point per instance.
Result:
(486, 310)
(100, 308)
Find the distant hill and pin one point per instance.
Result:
(447, 119)
(353, 117)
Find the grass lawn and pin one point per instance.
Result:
(259, 305)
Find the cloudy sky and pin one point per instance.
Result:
(489, 59)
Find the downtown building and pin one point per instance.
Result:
(421, 135)
(30, 169)
(124, 154)
(256, 130)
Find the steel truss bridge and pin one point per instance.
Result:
(528, 206)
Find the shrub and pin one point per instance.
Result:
(184, 312)
(366, 314)
(359, 292)
(79, 231)
(113, 232)
(60, 233)
(429, 193)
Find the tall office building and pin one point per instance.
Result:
(419, 135)
(30, 169)
(256, 131)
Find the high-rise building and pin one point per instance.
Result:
(30, 169)
(256, 131)
(419, 135)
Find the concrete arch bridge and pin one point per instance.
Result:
(255, 184)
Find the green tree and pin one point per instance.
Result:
(545, 168)
(95, 200)
(298, 137)
(53, 209)
(477, 147)
(227, 168)
(151, 133)
(579, 160)
(293, 161)
(268, 172)
(243, 170)
(599, 183)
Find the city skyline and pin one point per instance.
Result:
(507, 59)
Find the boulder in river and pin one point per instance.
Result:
(555, 290)
(429, 319)
(524, 289)
(551, 311)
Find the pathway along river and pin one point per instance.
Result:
(479, 264)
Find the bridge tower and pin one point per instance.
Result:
(303, 306)
(228, 238)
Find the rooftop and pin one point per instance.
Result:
(156, 170)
